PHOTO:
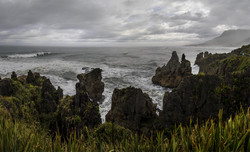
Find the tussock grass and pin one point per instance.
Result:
(230, 135)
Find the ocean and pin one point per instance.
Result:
(122, 66)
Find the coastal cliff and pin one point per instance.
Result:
(223, 82)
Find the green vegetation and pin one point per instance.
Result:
(230, 135)
(22, 104)
(237, 61)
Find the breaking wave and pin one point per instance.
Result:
(27, 55)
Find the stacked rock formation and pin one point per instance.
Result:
(173, 73)
(132, 109)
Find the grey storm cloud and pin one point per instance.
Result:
(76, 22)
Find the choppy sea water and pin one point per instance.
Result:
(122, 67)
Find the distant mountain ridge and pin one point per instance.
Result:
(230, 38)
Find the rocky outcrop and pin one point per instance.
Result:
(199, 57)
(35, 78)
(91, 84)
(202, 96)
(59, 93)
(193, 98)
(173, 73)
(30, 77)
(72, 117)
(14, 76)
(49, 97)
(132, 109)
(234, 92)
(76, 112)
(206, 54)
(208, 63)
(224, 64)
(89, 90)
(6, 87)
(34, 98)
(185, 67)
(223, 82)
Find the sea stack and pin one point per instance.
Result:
(91, 84)
(173, 73)
(131, 108)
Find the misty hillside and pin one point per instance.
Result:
(230, 38)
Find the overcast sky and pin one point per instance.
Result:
(118, 22)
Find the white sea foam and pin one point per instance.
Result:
(29, 55)
(195, 69)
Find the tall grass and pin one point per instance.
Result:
(230, 135)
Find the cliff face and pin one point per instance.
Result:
(223, 82)
(82, 109)
(193, 98)
(91, 84)
(132, 109)
(173, 73)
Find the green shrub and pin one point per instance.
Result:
(230, 135)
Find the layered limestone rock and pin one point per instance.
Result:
(193, 98)
(91, 84)
(49, 97)
(75, 117)
(202, 96)
(82, 109)
(173, 73)
(132, 109)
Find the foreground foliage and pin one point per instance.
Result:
(230, 135)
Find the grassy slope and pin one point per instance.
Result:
(230, 135)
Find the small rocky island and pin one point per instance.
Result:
(223, 82)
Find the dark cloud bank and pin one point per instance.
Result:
(118, 22)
